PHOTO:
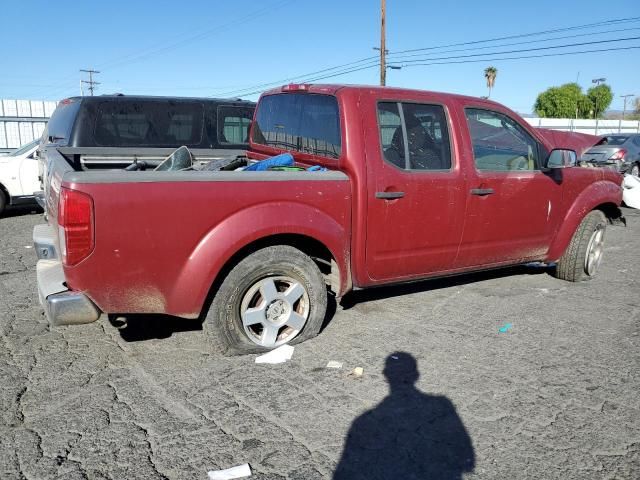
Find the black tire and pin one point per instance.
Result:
(574, 266)
(287, 269)
(3, 201)
(635, 169)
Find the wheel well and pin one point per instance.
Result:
(320, 254)
(612, 212)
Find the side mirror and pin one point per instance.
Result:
(561, 158)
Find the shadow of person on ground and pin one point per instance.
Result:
(409, 435)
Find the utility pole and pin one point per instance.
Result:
(597, 81)
(624, 109)
(383, 51)
(91, 82)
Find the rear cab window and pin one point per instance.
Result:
(299, 122)
(155, 123)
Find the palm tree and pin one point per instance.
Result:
(490, 73)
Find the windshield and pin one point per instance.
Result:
(613, 140)
(25, 148)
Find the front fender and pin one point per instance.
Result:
(596, 194)
(244, 227)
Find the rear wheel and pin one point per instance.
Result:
(584, 254)
(274, 296)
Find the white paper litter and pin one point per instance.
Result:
(240, 471)
(334, 364)
(278, 355)
(631, 191)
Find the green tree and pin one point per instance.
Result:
(490, 74)
(565, 101)
(601, 97)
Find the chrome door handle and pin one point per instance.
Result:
(389, 195)
(482, 191)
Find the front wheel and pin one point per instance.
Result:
(276, 295)
(583, 256)
(635, 170)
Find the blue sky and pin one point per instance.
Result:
(210, 48)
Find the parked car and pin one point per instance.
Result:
(621, 152)
(111, 131)
(19, 176)
(415, 185)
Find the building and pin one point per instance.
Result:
(22, 121)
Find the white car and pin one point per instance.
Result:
(19, 176)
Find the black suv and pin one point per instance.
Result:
(111, 131)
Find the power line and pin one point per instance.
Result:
(66, 82)
(550, 47)
(210, 31)
(564, 37)
(523, 35)
(557, 54)
(373, 61)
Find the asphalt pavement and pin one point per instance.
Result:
(502, 375)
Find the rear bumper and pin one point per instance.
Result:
(43, 242)
(61, 305)
(39, 198)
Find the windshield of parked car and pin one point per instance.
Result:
(25, 148)
(613, 140)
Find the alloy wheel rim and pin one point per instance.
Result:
(274, 310)
(595, 250)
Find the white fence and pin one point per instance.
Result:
(22, 121)
(594, 127)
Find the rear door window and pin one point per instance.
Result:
(160, 123)
(300, 122)
(233, 124)
(414, 136)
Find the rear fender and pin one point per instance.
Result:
(243, 228)
(595, 195)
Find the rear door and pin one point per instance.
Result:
(415, 195)
(512, 206)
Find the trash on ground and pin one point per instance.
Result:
(278, 355)
(631, 191)
(241, 471)
(28, 246)
(505, 328)
(357, 372)
(334, 364)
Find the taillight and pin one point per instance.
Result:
(619, 155)
(75, 219)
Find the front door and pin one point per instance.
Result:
(512, 206)
(414, 194)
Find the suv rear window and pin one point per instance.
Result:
(61, 122)
(233, 125)
(301, 122)
(150, 123)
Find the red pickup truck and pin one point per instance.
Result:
(415, 185)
